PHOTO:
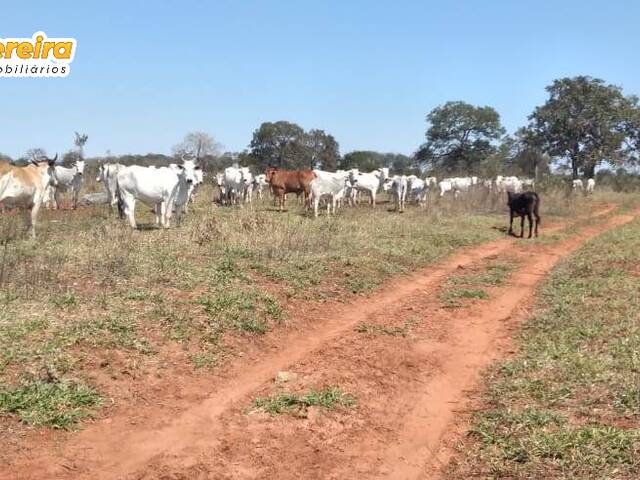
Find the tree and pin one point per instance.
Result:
(80, 141)
(459, 137)
(200, 144)
(278, 144)
(35, 154)
(585, 122)
(287, 145)
(363, 160)
(323, 150)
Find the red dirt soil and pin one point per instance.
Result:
(410, 390)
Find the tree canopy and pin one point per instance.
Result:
(287, 145)
(585, 122)
(460, 136)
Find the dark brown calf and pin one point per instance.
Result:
(290, 181)
(521, 204)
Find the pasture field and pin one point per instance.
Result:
(91, 298)
(568, 404)
(98, 321)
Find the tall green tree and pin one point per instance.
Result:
(287, 145)
(363, 160)
(323, 150)
(460, 136)
(585, 122)
(279, 144)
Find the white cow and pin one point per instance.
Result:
(107, 175)
(328, 184)
(26, 186)
(260, 184)
(234, 185)
(591, 185)
(417, 190)
(369, 183)
(431, 182)
(456, 185)
(163, 188)
(577, 184)
(398, 187)
(63, 180)
(528, 183)
(445, 186)
(508, 184)
(222, 186)
(247, 185)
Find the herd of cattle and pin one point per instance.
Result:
(169, 189)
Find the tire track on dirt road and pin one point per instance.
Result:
(119, 450)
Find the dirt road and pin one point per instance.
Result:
(410, 388)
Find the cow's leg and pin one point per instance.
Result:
(56, 199)
(372, 200)
(76, 192)
(157, 210)
(31, 219)
(511, 222)
(166, 210)
(522, 225)
(130, 209)
(530, 218)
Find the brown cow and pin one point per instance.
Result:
(25, 186)
(290, 181)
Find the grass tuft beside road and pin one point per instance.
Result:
(568, 405)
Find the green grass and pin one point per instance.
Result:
(245, 310)
(568, 405)
(297, 404)
(454, 298)
(57, 405)
(374, 329)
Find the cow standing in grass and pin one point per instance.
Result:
(65, 179)
(26, 186)
(163, 188)
(290, 181)
(107, 176)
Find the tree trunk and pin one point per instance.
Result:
(574, 168)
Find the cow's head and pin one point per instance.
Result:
(80, 166)
(188, 170)
(270, 172)
(100, 173)
(47, 168)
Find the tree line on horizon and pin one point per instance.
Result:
(584, 124)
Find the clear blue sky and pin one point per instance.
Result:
(365, 71)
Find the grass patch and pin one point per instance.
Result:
(455, 298)
(248, 310)
(373, 329)
(296, 404)
(57, 405)
(567, 406)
